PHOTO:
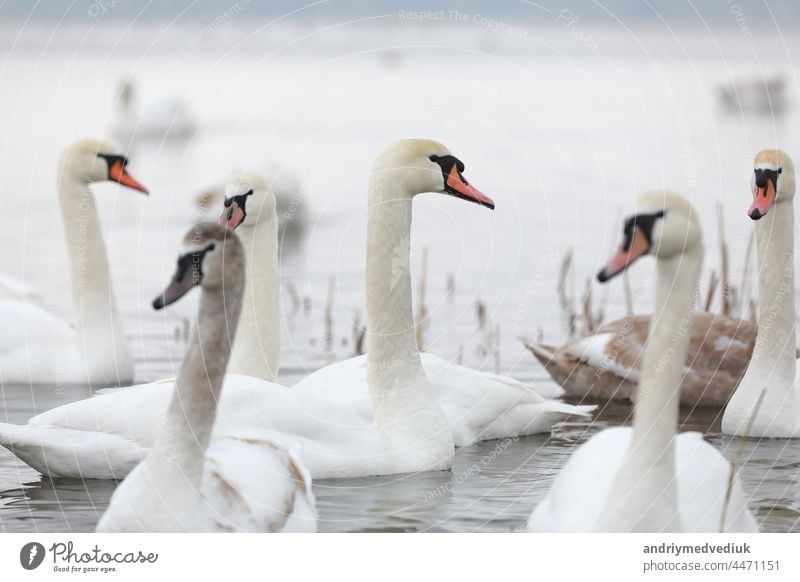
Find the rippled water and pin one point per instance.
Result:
(561, 141)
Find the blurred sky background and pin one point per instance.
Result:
(713, 12)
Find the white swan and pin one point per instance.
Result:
(105, 436)
(161, 118)
(479, 406)
(189, 482)
(773, 368)
(39, 348)
(284, 185)
(646, 478)
(250, 203)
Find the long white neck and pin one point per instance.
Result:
(257, 349)
(101, 339)
(398, 386)
(644, 494)
(186, 430)
(774, 362)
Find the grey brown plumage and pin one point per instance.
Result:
(719, 353)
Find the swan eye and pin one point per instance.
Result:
(645, 222)
(780, 170)
(112, 159)
(193, 261)
(240, 199)
(446, 163)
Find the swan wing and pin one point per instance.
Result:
(483, 406)
(64, 452)
(132, 412)
(254, 484)
(478, 405)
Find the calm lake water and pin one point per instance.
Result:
(561, 138)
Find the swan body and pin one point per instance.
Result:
(162, 118)
(576, 501)
(767, 401)
(189, 481)
(605, 365)
(36, 347)
(333, 431)
(479, 406)
(647, 478)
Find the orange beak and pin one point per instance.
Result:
(762, 201)
(457, 185)
(232, 216)
(118, 173)
(625, 257)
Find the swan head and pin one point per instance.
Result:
(772, 181)
(211, 255)
(664, 225)
(249, 200)
(91, 160)
(425, 165)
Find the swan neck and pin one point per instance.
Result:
(766, 402)
(394, 364)
(774, 356)
(189, 421)
(644, 495)
(655, 420)
(92, 293)
(256, 351)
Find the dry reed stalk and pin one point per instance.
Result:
(359, 333)
(496, 349)
(712, 289)
(564, 299)
(600, 312)
(329, 315)
(724, 268)
(294, 297)
(490, 334)
(451, 287)
(482, 315)
(586, 307)
(626, 286)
